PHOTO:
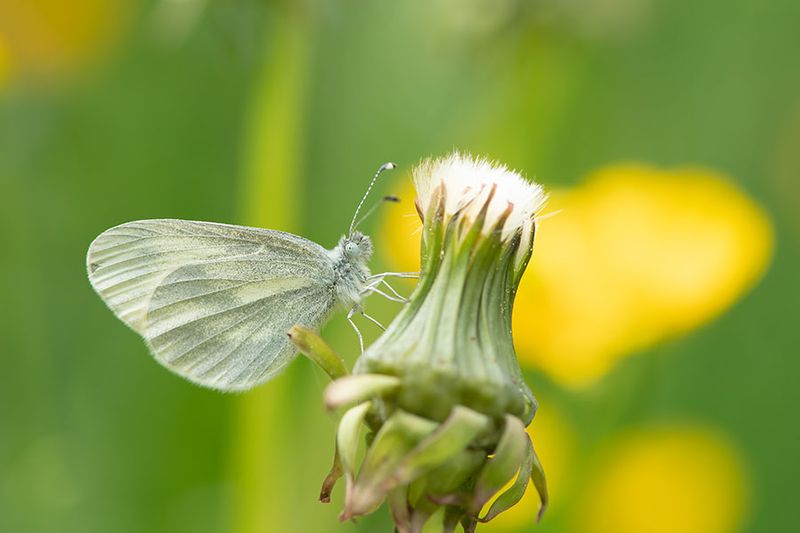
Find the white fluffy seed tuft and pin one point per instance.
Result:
(468, 181)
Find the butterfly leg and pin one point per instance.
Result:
(376, 290)
(372, 286)
(391, 289)
(410, 275)
(380, 279)
(358, 331)
(373, 282)
(373, 320)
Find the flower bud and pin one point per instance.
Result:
(441, 391)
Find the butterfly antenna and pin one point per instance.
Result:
(375, 206)
(385, 166)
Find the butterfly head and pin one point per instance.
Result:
(357, 246)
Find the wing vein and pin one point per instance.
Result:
(217, 334)
(249, 363)
(224, 289)
(166, 252)
(217, 313)
(230, 352)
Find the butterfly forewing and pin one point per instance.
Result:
(213, 301)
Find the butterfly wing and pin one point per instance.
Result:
(213, 301)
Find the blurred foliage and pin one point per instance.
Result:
(277, 113)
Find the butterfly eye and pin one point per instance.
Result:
(351, 249)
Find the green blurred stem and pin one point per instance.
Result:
(261, 452)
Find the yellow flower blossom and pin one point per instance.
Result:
(635, 255)
(686, 479)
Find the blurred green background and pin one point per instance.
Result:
(277, 114)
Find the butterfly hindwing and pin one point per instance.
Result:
(224, 324)
(213, 301)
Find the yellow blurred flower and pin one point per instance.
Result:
(667, 480)
(401, 230)
(635, 255)
(5, 63)
(52, 37)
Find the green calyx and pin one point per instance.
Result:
(452, 344)
(440, 393)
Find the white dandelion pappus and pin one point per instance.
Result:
(468, 181)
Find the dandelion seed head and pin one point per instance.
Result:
(469, 180)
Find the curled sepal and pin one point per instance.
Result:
(354, 389)
(451, 437)
(347, 439)
(501, 467)
(333, 476)
(312, 346)
(401, 512)
(446, 483)
(514, 494)
(540, 483)
(399, 434)
(452, 516)
(524, 253)
(469, 524)
(423, 511)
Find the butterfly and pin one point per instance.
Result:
(214, 302)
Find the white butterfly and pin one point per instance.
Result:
(214, 301)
